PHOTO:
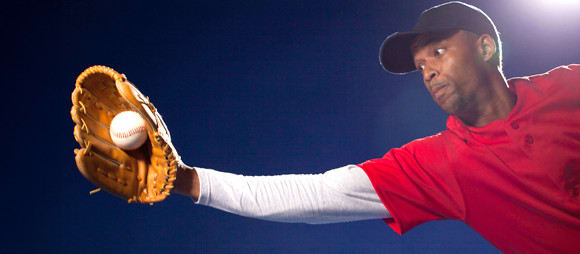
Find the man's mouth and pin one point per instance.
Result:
(439, 91)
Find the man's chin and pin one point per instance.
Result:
(451, 109)
(449, 112)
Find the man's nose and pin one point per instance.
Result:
(429, 74)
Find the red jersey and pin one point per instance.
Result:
(515, 181)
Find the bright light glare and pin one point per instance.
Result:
(560, 2)
(559, 6)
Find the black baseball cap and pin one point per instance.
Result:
(395, 53)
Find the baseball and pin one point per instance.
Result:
(128, 130)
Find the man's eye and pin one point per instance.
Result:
(439, 51)
(421, 67)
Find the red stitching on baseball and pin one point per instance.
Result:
(130, 132)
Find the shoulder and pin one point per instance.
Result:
(429, 154)
(565, 76)
(413, 152)
(430, 149)
(561, 73)
(439, 140)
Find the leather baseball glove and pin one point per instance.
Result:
(145, 175)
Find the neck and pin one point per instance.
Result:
(493, 103)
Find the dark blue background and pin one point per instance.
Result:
(250, 87)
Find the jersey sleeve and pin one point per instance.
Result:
(416, 184)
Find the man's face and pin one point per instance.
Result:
(451, 71)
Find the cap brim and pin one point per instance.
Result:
(395, 53)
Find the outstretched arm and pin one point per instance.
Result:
(338, 195)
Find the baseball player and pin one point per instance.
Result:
(508, 164)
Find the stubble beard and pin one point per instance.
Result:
(455, 106)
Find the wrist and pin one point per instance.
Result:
(187, 181)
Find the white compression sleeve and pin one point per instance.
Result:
(339, 195)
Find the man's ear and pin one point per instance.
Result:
(486, 47)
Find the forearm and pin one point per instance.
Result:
(339, 195)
